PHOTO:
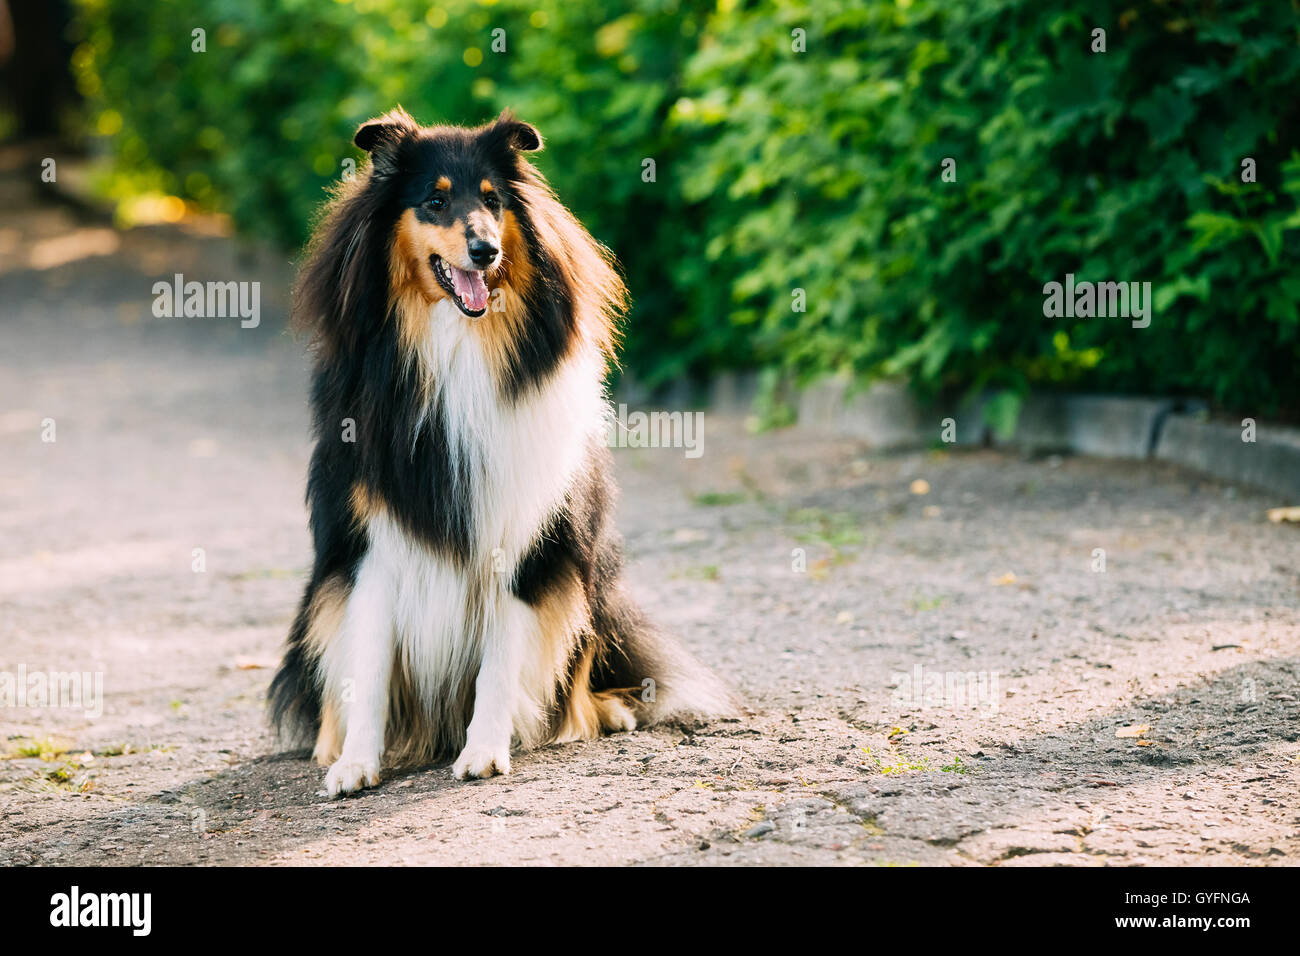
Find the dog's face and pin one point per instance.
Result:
(453, 201)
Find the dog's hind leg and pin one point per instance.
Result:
(357, 668)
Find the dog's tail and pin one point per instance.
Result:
(664, 681)
(294, 695)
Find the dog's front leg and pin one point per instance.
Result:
(487, 743)
(357, 667)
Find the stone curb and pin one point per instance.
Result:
(888, 417)
(1107, 426)
(1271, 462)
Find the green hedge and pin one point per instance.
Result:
(779, 169)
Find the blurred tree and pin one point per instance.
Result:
(34, 74)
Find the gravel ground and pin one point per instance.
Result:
(1144, 714)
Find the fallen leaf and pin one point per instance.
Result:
(1133, 730)
(919, 487)
(245, 663)
(1008, 578)
(1278, 515)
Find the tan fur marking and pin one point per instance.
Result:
(515, 269)
(581, 718)
(588, 713)
(412, 286)
(364, 505)
(486, 186)
(614, 712)
(408, 261)
(443, 183)
(325, 619)
(326, 613)
(329, 742)
(564, 618)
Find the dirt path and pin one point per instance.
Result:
(181, 434)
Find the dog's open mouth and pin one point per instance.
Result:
(468, 289)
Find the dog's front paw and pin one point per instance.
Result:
(348, 776)
(482, 760)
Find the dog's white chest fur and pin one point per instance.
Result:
(521, 457)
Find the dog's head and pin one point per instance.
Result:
(456, 214)
(453, 190)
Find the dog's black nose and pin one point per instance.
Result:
(482, 252)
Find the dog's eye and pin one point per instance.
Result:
(491, 201)
(437, 203)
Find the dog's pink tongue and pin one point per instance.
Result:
(470, 287)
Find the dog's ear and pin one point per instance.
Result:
(514, 133)
(380, 135)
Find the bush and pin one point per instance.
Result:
(778, 170)
(1123, 165)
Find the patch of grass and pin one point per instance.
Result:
(837, 529)
(716, 499)
(922, 603)
(47, 748)
(896, 763)
(69, 776)
(700, 572)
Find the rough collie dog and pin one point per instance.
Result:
(465, 592)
